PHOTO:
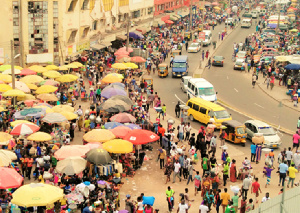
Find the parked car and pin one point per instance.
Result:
(218, 61)
(241, 55)
(184, 82)
(272, 140)
(194, 48)
(229, 21)
(239, 64)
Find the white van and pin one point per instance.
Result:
(263, 12)
(254, 13)
(208, 37)
(201, 88)
(246, 23)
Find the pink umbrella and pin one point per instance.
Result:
(120, 131)
(215, 3)
(27, 72)
(71, 151)
(25, 129)
(10, 178)
(169, 22)
(30, 102)
(138, 59)
(124, 49)
(121, 52)
(123, 118)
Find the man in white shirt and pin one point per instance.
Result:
(180, 132)
(183, 207)
(176, 172)
(266, 198)
(246, 184)
(213, 145)
(203, 207)
(289, 155)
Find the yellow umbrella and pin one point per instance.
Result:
(6, 78)
(15, 123)
(4, 138)
(217, 8)
(78, 64)
(119, 66)
(32, 79)
(98, 135)
(7, 66)
(5, 87)
(116, 74)
(69, 115)
(67, 78)
(118, 146)
(32, 86)
(63, 108)
(131, 65)
(48, 109)
(47, 97)
(52, 67)
(38, 69)
(37, 194)
(46, 89)
(2, 109)
(51, 74)
(111, 79)
(63, 68)
(26, 97)
(39, 136)
(73, 66)
(14, 93)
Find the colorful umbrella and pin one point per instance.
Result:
(44, 105)
(121, 52)
(98, 135)
(49, 82)
(46, 89)
(51, 74)
(123, 98)
(94, 145)
(129, 49)
(21, 86)
(169, 22)
(115, 106)
(10, 178)
(15, 123)
(120, 131)
(52, 67)
(9, 72)
(120, 66)
(2, 109)
(109, 92)
(132, 126)
(287, 67)
(71, 151)
(63, 108)
(69, 115)
(141, 136)
(98, 156)
(6, 78)
(27, 72)
(118, 146)
(7, 66)
(48, 109)
(4, 153)
(36, 194)
(112, 125)
(131, 65)
(38, 69)
(116, 74)
(118, 84)
(24, 129)
(111, 79)
(14, 93)
(5, 137)
(67, 78)
(63, 68)
(123, 118)
(78, 64)
(30, 103)
(71, 165)
(71, 66)
(47, 97)
(5, 87)
(31, 86)
(138, 59)
(39, 136)
(26, 97)
(53, 118)
(32, 79)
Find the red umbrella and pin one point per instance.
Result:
(121, 52)
(124, 49)
(169, 22)
(120, 131)
(141, 136)
(30, 102)
(25, 129)
(27, 72)
(123, 118)
(9, 178)
(138, 59)
(215, 3)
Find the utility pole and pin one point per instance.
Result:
(12, 64)
(128, 27)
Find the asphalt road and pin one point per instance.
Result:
(233, 87)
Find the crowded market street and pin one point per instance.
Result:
(196, 113)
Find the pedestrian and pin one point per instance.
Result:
(254, 78)
(186, 45)
(203, 54)
(225, 198)
(162, 155)
(289, 155)
(177, 109)
(235, 202)
(250, 206)
(233, 171)
(208, 63)
(168, 170)
(203, 208)
(197, 180)
(255, 189)
(213, 145)
(272, 81)
(243, 205)
(253, 152)
(206, 54)
(268, 172)
(225, 172)
(176, 172)
(205, 164)
(292, 174)
(190, 172)
(283, 168)
(266, 198)
(187, 129)
(170, 198)
(267, 81)
(210, 198)
(296, 138)
(180, 129)
(223, 135)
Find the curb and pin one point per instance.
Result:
(277, 99)
(283, 130)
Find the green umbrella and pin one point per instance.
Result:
(30, 111)
(98, 156)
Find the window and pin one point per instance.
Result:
(203, 110)
(196, 107)
(85, 5)
(85, 32)
(136, 14)
(94, 26)
(189, 84)
(150, 10)
(72, 37)
(108, 4)
(72, 5)
(190, 104)
(123, 3)
(193, 87)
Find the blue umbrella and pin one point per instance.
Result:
(112, 125)
(135, 35)
(132, 126)
(110, 91)
(272, 25)
(292, 67)
(118, 84)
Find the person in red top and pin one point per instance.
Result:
(255, 188)
(161, 133)
(29, 162)
(296, 138)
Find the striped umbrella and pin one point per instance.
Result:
(24, 129)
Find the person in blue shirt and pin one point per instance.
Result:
(86, 209)
(253, 152)
(283, 168)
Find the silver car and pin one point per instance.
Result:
(183, 83)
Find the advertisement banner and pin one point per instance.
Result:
(201, 36)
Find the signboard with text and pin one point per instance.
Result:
(201, 36)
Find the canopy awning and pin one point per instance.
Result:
(121, 37)
(164, 18)
(158, 23)
(100, 46)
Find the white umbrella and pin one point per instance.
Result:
(21, 86)
(71, 165)
(8, 72)
(11, 155)
(54, 118)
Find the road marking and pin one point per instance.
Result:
(258, 105)
(179, 99)
(235, 89)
